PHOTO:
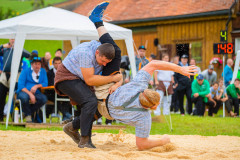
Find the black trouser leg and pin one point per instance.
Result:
(189, 101)
(218, 104)
(236, 105)
(3, 94)
(210, 107)
(228, 105)
(114, 65)
(199, 105)
(80, 93)
(180, 99)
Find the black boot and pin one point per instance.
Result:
(86, 142)
(74, 134)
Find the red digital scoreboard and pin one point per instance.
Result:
(223, 48)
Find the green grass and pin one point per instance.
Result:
(182, 125)
(41, 45)
(24, 6)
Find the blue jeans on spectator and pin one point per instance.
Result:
(28, 108)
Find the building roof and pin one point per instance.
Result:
(125, 10)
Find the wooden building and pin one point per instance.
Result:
(180, 26)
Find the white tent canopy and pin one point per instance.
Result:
(55, 24)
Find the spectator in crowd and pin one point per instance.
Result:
(233, 92)
(63, 107)
(224, 98)
(45, 61)
(1, 64)
(175, 103)
(184, 87)
(228, 73)
(30, 81)
(210, 75)
(200, 94)
(58, 53)
(152, 57)
(6, 50)
(142, 60)
(193, 62)
(164, 86)
(25, 62)
(215, 98)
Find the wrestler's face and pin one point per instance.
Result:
(101, 60)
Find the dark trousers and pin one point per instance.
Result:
(235, 103)
(228, 105)
(110, 68)
(28, 108)
(214, 109)
(175, 103)
(3, 94)
(180, 94)
(200, 105)
(85, 98)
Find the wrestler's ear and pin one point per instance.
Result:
(97, 52)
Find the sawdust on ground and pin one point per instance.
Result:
(57, 145)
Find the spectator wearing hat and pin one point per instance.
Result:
(30, 80)
(233, 92)
(210, 75)
(184, 87)
(228, 73)
(141, 61)
(6, 51)
(152, 57)
(26, 63)
(200, 94)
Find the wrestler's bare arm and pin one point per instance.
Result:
(162, 65)
(97, 80)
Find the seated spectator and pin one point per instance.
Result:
(63, 107)
(30, 80)
(228, 73)
(224, 98)
(233, 92)
(200, 94)
(215, 98)
(210, 75)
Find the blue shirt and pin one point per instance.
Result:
(140, 119)
(213, 92)
(1, 63)
(26, 81)
(228, 74)
(83, 56)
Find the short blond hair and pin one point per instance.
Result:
(149, 98)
